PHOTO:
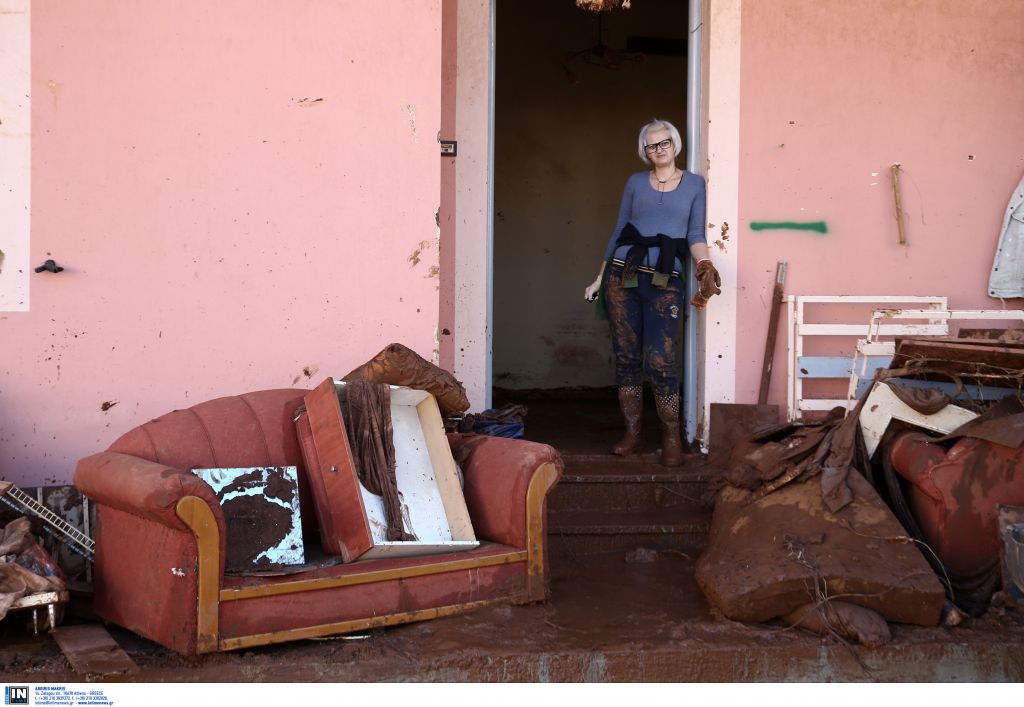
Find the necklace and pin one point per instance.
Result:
(662, 183)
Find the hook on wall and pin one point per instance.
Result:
(50, 266)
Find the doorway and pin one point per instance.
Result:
(572, 88)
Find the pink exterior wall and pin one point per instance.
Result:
(243, 194)
(832, 94)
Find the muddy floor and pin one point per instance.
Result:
(632, 617)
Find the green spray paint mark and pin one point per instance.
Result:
(816, 226)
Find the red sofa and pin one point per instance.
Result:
(160, 535)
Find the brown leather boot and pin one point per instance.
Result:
(671, 444)
(631, 401)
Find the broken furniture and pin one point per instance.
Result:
(431, 510)
(38, 603)
(953, 495)
(160, 536)
(75, 539)
(883, 406)
(807, 361)
(874, 353)
(946, 489)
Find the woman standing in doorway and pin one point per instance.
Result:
(661, 222)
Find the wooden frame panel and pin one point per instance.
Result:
(798, 329)
(196, 514)
(543, 480)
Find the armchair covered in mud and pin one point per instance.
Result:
(161, 535)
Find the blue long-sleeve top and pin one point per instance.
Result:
(680, 214)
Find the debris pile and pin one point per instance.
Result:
(816, 528)
(26, 568)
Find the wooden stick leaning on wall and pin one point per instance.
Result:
(773, 330)
(894, 171)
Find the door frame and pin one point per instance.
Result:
(467, 234)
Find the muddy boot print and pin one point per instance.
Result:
(671, 444)
(631, 401)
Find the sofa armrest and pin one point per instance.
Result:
(143, 488)
(498, 473)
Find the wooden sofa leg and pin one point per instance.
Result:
(542, 481)
(196, 514)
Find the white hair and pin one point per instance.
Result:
(658, 124)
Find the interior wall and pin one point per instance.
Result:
(244, 196)
(833, 94)
(565, 143)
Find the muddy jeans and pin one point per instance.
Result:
(645, 321)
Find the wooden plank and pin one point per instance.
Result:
(955, 356)
(975, 392)
(262, 639)
(937, 302)
(823, 404)
(197, 515)
(92, 651)
(957, 314)
(370, 577)
(861, 330)
(445, 474)
(39, 599)
(344, 528)
(543, 479)
(791, 356)
(773, 331)
(837, 366)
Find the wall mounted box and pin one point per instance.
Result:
(352, 521)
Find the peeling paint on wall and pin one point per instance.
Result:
(411, 110)
(414, 257)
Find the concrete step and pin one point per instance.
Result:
(575, 533)
(609, 483)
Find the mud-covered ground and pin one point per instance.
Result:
(636, 617)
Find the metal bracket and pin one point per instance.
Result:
(449, 148)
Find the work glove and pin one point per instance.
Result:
(709, 283)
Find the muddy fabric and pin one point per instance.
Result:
(768, 460)
(399, 365)
(847, 621)
(845, 454)
(926, 401)
(38, 561)
(644, 322)
(16, 537)
(12, 587)
(371, 437)
(767, 557)
(506, 421)
(1003, 423)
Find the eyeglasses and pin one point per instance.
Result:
(663, 145)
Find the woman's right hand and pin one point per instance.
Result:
(590, 294)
